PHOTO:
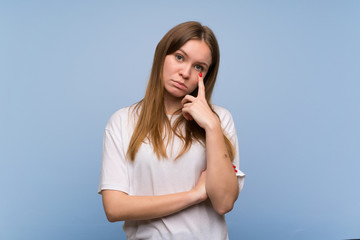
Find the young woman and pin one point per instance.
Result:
(170, 166)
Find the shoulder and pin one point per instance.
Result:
(221, 111)
(227, 122)
(122, 118)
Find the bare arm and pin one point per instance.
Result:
(120, 206)
(221, 181)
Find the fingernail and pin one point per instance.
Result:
(235, 170)
(200, 74)
(234, 166)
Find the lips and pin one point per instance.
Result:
(179, 85)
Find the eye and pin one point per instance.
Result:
(199, 68)
(179, 57)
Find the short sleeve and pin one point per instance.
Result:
(114, 172)
(240, 175)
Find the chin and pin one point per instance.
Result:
(176, 93)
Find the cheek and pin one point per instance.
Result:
(167, 67)
(194, 83)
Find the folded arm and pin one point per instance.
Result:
(120, 206)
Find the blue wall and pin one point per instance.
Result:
(289, 74)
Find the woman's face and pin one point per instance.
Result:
(181, 68)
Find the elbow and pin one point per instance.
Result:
(113, 207)
(114, 216)
(225, 205)
(111, 217)
(224, 208)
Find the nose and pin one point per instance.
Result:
(185, 71)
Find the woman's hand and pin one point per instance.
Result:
(200, 189)
(197, 108)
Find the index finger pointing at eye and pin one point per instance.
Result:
(201, 86)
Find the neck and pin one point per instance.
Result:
(172, 104)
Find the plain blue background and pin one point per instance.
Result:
(289, 74)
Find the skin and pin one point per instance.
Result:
(184, 66)
(219, 182)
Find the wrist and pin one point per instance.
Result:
(196, 197)
(214, 125)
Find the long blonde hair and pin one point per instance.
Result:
(153, 121)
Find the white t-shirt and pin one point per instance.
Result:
(149, 176)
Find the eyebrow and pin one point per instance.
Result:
(197, 62)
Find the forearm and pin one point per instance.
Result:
(120, 206)
(221, 181)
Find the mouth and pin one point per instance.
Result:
(179, 85)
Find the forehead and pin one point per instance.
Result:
(197, 50)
